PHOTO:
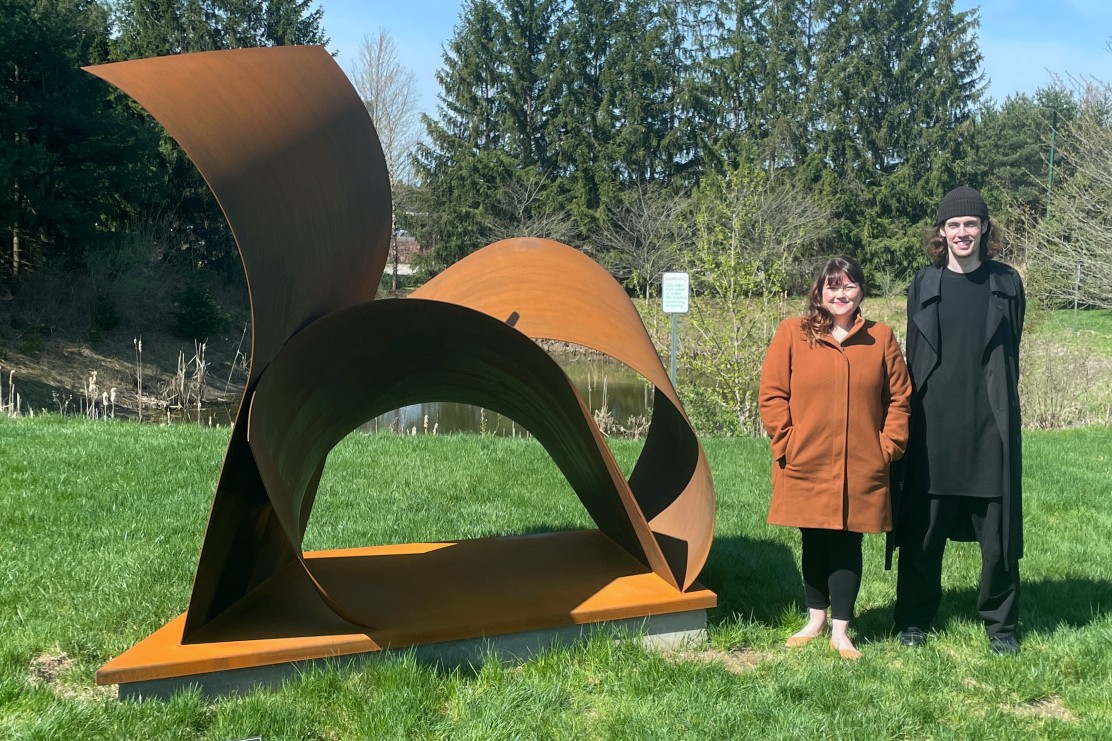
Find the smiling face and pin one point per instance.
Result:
(841, 296)
(963, 240)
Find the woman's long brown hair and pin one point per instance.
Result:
(818, 321)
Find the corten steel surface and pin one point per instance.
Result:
(288, 149)
(547, 290)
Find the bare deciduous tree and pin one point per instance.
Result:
(1069, 252)
(642, 236)
(747, 235)
(389, 91)
(523, 211)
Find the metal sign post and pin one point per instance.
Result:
(674, 292)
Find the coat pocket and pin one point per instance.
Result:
(885, 449)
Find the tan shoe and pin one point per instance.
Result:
(797, 640)
(846, 653)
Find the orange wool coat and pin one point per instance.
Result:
(838, 416)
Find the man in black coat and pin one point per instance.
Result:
(963, 476)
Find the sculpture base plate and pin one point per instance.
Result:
(449, 603)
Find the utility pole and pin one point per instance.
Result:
(1050, 171)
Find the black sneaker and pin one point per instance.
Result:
(1003, 645)
(912, 637)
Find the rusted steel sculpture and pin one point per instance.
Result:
(287, 147)
(546, 290)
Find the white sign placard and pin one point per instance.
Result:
(674, 289)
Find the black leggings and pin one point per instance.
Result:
(831, 570)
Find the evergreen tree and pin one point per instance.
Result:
(147, 28)
(529, 204)
(1010, 160)
(463, 165)
(583, 119)
(784, 109)
(867, 105)
(898, 84)
(730, 80)
(641, 81)
(249, 23)
(529, 26)
(71, 168)
(150, 28)
(681, 138)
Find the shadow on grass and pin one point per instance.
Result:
(1046, 605)
(755, 579)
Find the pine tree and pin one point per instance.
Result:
(583, 120)
(147, 28)
(785, 107)
(1010, 159)
(463, 165)
(730, 81)
(641, 79)
(71, 167)
(529, 27)
(898, 82)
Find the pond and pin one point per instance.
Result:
(620, 399)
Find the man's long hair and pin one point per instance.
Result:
(934, 242)
(818, 321)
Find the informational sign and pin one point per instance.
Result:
(674, 290)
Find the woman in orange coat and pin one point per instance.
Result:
(834, 398)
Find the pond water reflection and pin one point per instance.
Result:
(618, 397)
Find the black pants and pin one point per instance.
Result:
(831, 570)
(927, 525)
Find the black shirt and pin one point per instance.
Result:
(966, 452)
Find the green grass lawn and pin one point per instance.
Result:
(1089, 329)
(102, 523)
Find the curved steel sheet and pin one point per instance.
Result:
(552, 291)
(391, 353)
(287, 147)
(292, 157)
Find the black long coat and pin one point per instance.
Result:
(1000, 365)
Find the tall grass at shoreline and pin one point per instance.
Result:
(102, 523)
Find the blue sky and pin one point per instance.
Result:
(1023, 42)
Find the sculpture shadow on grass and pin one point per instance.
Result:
(754, 579)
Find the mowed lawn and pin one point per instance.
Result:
(102, 524)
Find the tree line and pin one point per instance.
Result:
(591, 120)
(647, 132)
(80, 164)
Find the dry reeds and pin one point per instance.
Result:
(186, 389)
(10, 408)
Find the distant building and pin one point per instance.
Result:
(407, 251)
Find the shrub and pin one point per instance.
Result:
(197, 315)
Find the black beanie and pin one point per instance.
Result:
(961, 201)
